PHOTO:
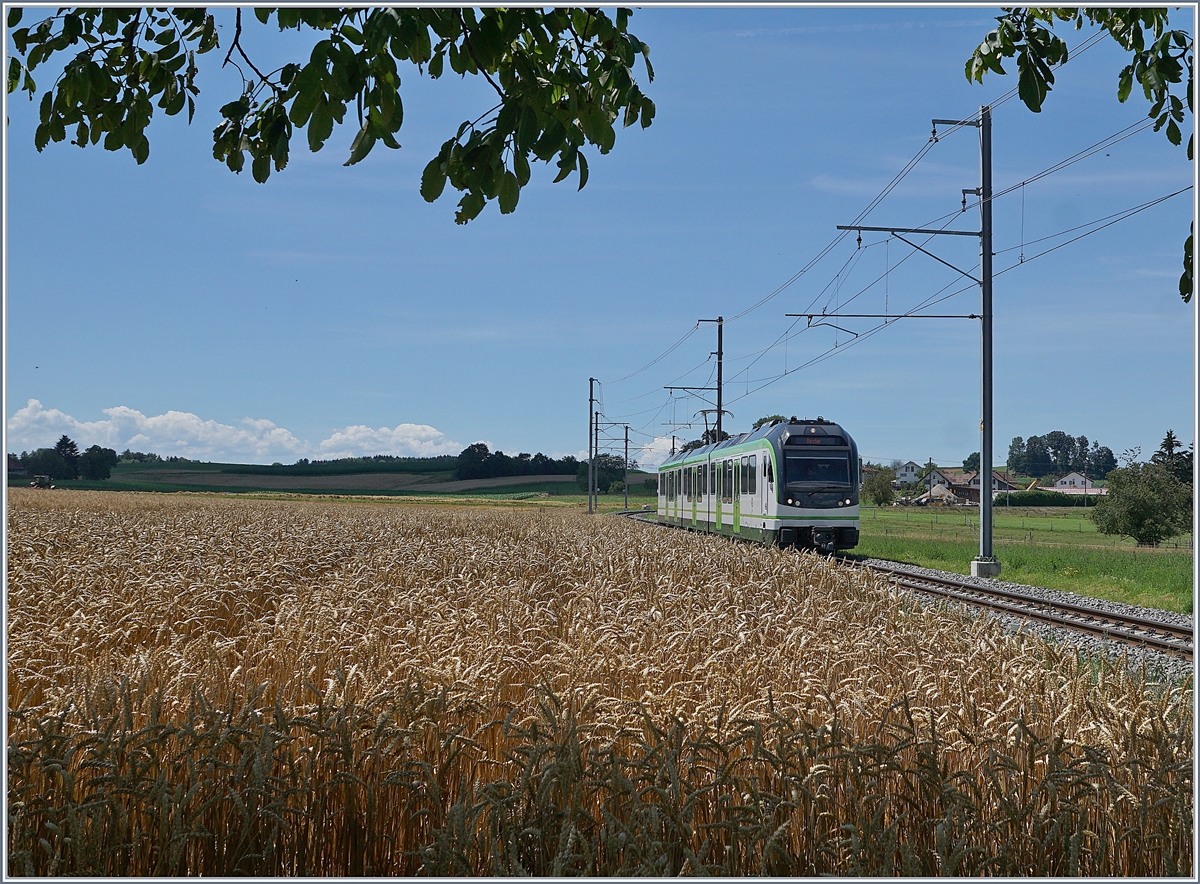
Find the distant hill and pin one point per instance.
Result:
(350, 466)
(360, 475)
(378, 479)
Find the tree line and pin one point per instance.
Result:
(1058, 453)
(66, 461)
(342, 466)
(478, 462)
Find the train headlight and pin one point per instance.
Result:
(847, 501)
(789, 501)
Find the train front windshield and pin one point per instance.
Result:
(809, 468)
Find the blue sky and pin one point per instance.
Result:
(178, 308)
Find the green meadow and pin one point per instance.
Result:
(1054, 547)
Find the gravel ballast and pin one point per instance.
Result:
(1156, 663)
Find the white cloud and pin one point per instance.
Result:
(410, 440)
(653, 453)
(183, 434)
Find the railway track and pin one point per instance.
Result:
(1142, 632)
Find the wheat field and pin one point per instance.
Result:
(219, 686)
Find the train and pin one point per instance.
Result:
(790, 483)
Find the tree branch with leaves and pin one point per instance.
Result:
(1159, 58)
(563, 78)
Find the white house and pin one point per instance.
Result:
(907, 474)
(1073, 480)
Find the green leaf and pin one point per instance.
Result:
(141, 149)
(303, 105)
(433, 180)
(175, 105)
(631, 114)
(510, 192)
(261, 169)
(361, 146)
(583, 171)
(320, 126)
(606, 137)
(1030, 88)
(14, 75)
(14, 16)
(235, 110)
(469, 207)
(528, 128)
(647, 112)
(1173, 134)
(1125, 84)
(521, 167)
(458, 64)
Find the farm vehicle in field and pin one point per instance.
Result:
(41, 482)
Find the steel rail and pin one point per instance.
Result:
(1170, 638)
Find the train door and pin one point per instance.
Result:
(718, 492)
(694, 475)
(706, 490)
(755, 487)
(712, 494)
(737, 494)
(768, 476)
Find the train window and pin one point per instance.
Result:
(743, 482)
(752, 475)
(828, 470)
(727, 481)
